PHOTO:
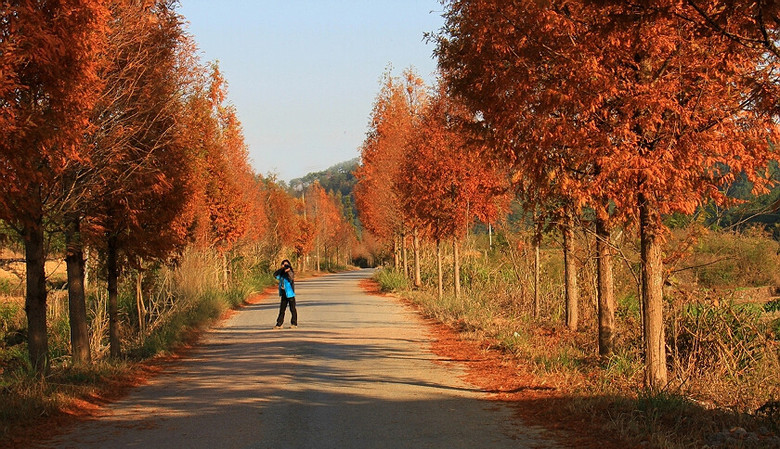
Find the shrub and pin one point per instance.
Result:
(9, 317)
(748, 259)
(391, 280)
(5, 287)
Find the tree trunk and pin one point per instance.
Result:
(77, 304)
(456, 266)
(225, 271)
(405, 255)
(537, 306)
(570, 270)
(417, 277)
(112, 270)
(35, 298)
(396, 259)
(652, 296)
(606, 290)
(439, 269)
(139, 301)
(87, 276)
(318, 254)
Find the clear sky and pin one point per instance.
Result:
(303, 74)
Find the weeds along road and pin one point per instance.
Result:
(357, 373)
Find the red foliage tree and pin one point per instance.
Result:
(448, 177)
(225, 188)
(397, 108)
(283, 230)
(140, 181)
(659, 111)
(49, 57)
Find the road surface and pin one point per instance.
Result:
(357, 373)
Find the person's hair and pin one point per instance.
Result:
(286, 262)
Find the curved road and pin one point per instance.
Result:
(357, 373)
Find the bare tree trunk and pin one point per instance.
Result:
(537, 306)
(570, 269)
(396, 258)
(417, 277)
(225, 271)
(77, 304)
(112, 269)
(35, 297)
(456, 266)
(439, 269)
(606, 290)
(318, 254)
(405, 255)
(652, 296)
(139, 302)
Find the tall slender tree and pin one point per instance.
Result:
(139, 184)
(448, 181)
(49, 52)
(396, 110)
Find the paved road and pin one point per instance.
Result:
(357, 373)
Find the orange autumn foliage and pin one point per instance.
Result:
(634, 108)
(393, 118)
(49, 56)
(226, 200)
(448, 177)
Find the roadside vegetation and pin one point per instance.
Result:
(603, 176)
(721, 314)
(174, 302)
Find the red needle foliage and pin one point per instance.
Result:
(392, 121)
(281, 210)
(448, 177)
(220, 208)
(142, 159)
(629, 105)
(49, 54)
(324, 224)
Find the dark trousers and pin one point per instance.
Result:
(283, 308)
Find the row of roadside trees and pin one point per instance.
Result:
(615, 112)
(116, 137)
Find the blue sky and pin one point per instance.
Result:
(303, 74)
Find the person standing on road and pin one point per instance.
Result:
(286, 277)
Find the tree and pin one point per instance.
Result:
(284, 230)
(140, 183)
(448, 176)
(536, 131)
(654, 112)
(49, 53)
(395, 112)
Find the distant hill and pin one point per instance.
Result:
(339, 179)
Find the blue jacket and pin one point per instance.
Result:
(285, 288)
